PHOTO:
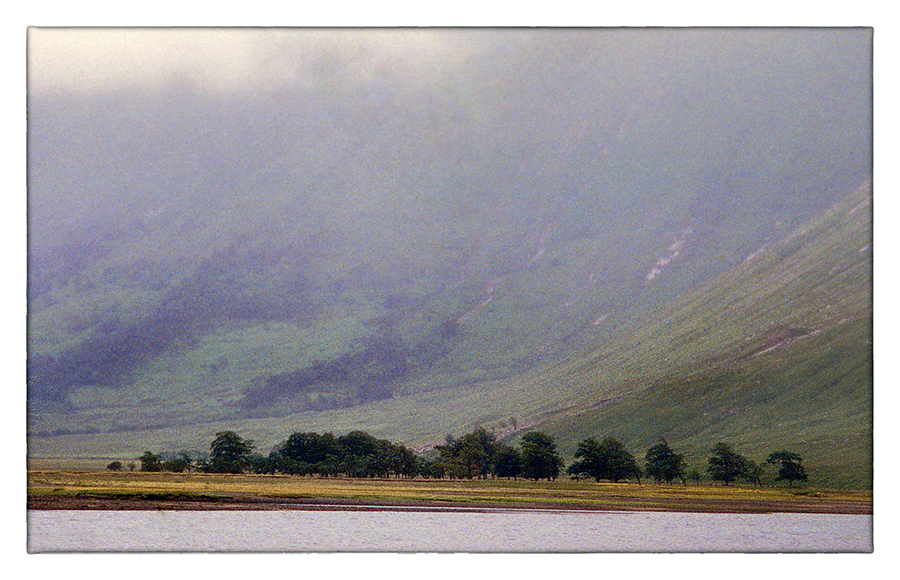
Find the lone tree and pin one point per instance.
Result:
(726, 465)
(663, 464)
(620, 462)
(540, 458)
(229, 453)
(791, 466)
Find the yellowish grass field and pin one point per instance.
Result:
(49, 489)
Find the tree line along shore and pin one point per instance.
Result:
(477, 454)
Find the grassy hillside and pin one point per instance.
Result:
(210, 257)
(775, 353)
(519, 226)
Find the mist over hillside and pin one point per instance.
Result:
(303, 221)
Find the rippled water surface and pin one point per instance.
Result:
(466, 531)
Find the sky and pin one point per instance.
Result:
(452, 68)
(96, 60)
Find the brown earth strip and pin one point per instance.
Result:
(627, 503)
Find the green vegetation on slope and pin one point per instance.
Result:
(196, 258)
(780, 349)
(777, 349)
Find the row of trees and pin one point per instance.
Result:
(611, 461)
(356, 454)
(479, 454)
(359, 454)
(727, 465)
(153, 462)
(475, 455)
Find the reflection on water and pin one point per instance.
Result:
(424, 531)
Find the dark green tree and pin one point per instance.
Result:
(694, 475)
(605, 460)
(229, 453)
(403, 462)
(260, 464)
(358, 442)
(330, 466)
(429, 468)
(450, 461)
(150, 461)
(177, 464)
(663, 464)
(286, 465)
(791, 466)
(507, 461)
(114, 466)
(131, 466)
(587, 460)
(310, 450)
(753, 472)
(380, 461)
(476, 451)
(725, 464)
(472, 455)
(540, 459)
(620, 463)
(357, 465)
(359, 454)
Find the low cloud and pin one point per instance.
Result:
(91, 60)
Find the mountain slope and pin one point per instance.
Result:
(776, 353)
(503, 226)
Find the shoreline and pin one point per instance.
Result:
(40, 502)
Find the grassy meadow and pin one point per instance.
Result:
(107, 490)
